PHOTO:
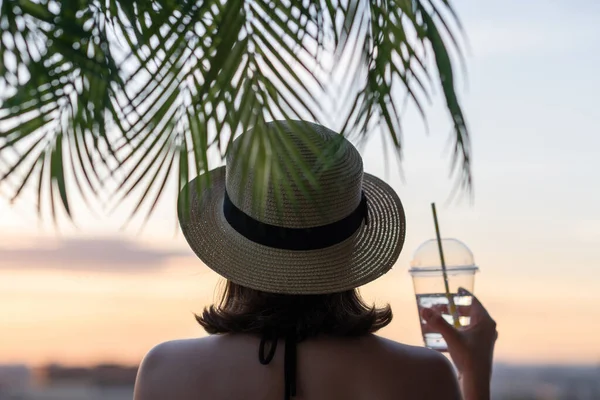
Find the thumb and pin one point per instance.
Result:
(437, 323)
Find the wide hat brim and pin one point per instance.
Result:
(362, 258)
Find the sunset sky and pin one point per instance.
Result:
(98, 294)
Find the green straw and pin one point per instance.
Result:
(444, 273)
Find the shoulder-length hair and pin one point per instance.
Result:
(245, 310)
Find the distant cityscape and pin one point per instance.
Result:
(55, 382)
(115, 382)
(512, 382)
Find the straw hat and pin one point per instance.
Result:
(338, 233)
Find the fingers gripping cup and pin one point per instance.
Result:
(430, 285)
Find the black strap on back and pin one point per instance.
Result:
(289, 360)
(264, 360)
(289, 366)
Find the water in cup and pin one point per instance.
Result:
(434, 340)
(430, 284)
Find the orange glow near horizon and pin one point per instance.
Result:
(78, 318)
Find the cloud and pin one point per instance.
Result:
(99, 254)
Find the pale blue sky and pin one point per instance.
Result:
(530, 99)
(530, 102)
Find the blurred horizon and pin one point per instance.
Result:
(117, 382)
(97, 293)
(133, 296)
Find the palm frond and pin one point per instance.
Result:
(60, 85)
(399, 38)
(138, 93)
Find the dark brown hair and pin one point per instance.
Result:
(245, 310)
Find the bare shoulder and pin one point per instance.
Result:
(421, 367)
(164, 370)
(405, 353)
(181, 369)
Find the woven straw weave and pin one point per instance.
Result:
(363, 257)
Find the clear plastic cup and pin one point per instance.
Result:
(430, 288)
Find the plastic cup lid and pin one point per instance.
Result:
(457, 257)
